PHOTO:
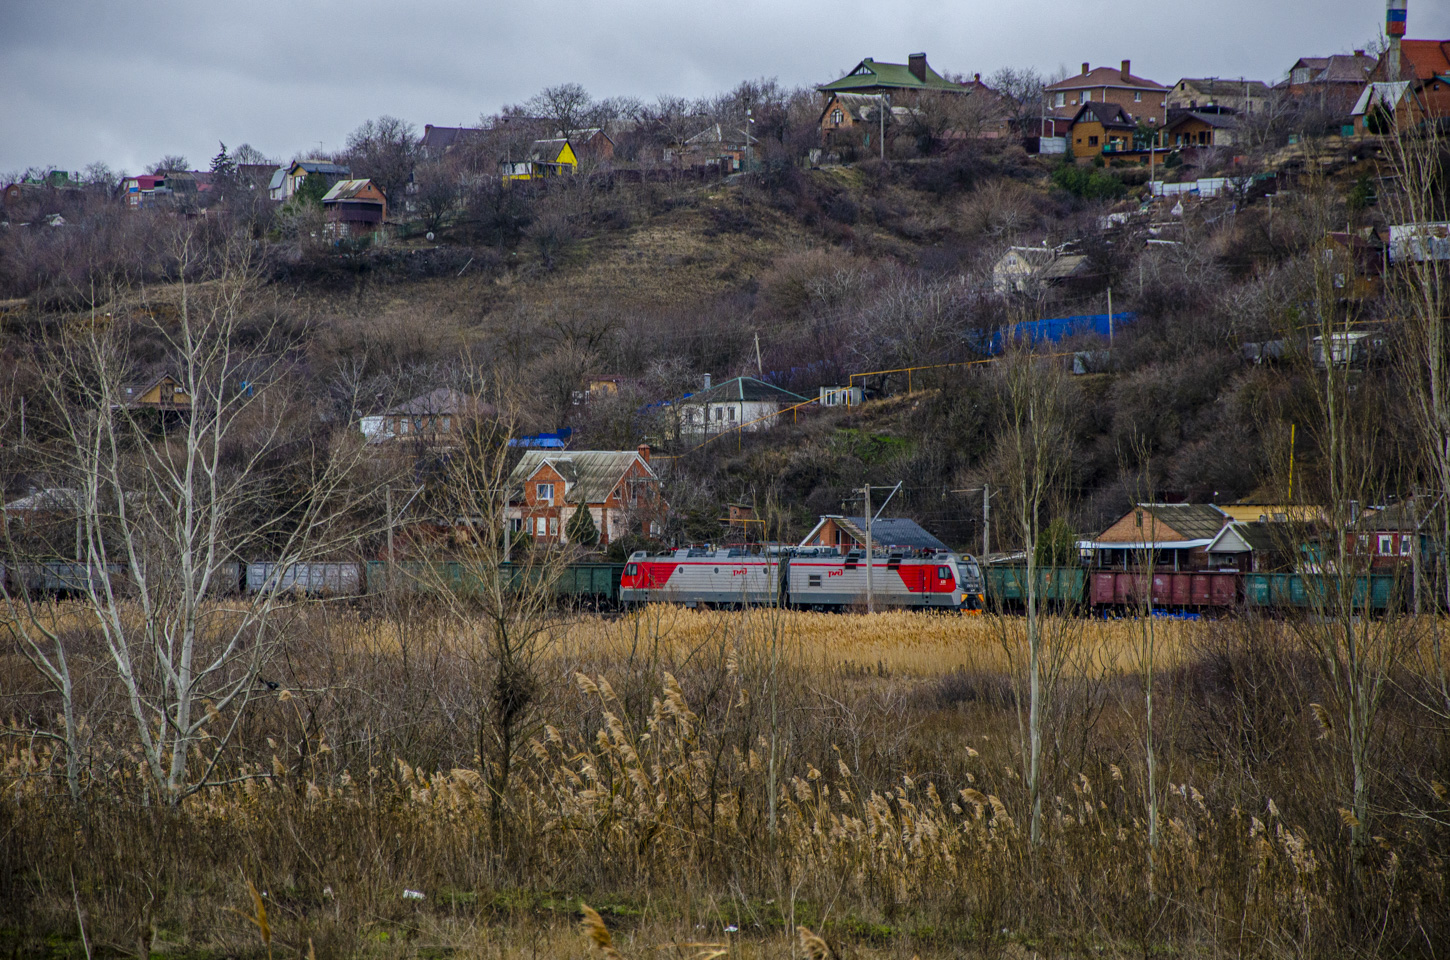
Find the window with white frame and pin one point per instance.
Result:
(1405, 542)
(1087, 96)
(1060, 100)
(1386, 545)
(545, 493)
(541, 527)
(1137, 96)
(553, 526)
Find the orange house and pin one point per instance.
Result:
(619, 488)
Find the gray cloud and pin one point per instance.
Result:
(126, 82)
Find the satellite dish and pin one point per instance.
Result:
(430, 234)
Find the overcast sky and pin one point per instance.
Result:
(125, 82)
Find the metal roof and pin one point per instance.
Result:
(52, 499)
(590, 476)
(886, 532)
(871, 73)
(745, 388)
(348, 190)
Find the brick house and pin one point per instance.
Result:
(1421, 91)
(1177, 535)
(1388, 536)
(1332, 83)
(1141, 99)
(619, 488)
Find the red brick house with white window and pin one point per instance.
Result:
(1145, 101)
(619, 488)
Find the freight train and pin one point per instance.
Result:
(1116, 592)
(818, 578)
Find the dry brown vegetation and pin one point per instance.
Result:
(718, 778)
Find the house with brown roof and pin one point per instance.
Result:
(1170, 536)
(1141, 99)
(1420, 93)
(1239, 95)
(619, 488)
(1332, 83)
(436, 141)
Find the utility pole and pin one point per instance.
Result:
(1110, 316)
(986, 520)
(388, 501)
(882, 144)
(870, 597)
(1415, 547)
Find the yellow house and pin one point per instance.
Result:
(1101, 128)
(547, 158)
(162, 394)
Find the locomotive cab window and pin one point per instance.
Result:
(944, 573)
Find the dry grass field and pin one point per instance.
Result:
(714, 783)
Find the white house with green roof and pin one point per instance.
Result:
(743, 402)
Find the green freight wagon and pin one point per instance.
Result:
(1295, 591)
(595, 583)
(1059, 586)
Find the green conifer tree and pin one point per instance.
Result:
(581, 529)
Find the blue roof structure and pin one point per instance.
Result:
(1055, 330)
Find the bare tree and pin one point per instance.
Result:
(1021, 89)
(566, 107)
(1354, 649)
(172, 497)
(1034, 450)
(503, 597)
(384, 150)
(1419, 286)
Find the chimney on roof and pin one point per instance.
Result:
(1126, 72)
(1085, 68)
(916, 63)
(707, 381)
(643, 452)
(1359, 53)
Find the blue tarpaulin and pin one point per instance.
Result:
(1054, 330)
(543, 441)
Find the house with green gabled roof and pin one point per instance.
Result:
(877, 77)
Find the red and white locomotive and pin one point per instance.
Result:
(820, 578)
